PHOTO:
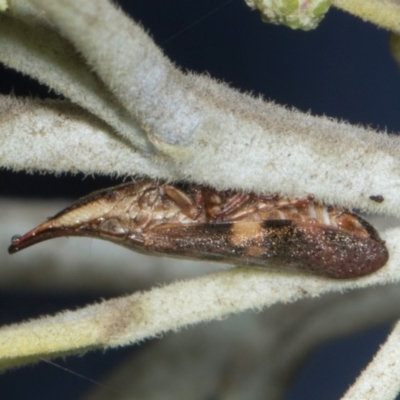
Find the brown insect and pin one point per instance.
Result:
(377, 198)
(190, 221)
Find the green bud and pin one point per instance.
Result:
(296, 14)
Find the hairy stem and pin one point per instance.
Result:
(384, 13)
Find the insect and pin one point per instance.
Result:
(377, 198)
(191, 221)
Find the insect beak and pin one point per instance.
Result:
(80, 219)
(41, 233)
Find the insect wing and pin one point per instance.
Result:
(311, 247)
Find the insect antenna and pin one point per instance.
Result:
(196, 22)
(97, 383)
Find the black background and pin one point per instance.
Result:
(342, 69)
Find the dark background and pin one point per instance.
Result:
(342, 69)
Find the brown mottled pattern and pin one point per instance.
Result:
(198, 222)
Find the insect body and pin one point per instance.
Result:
(191, 221)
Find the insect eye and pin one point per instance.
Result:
(113, 228)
